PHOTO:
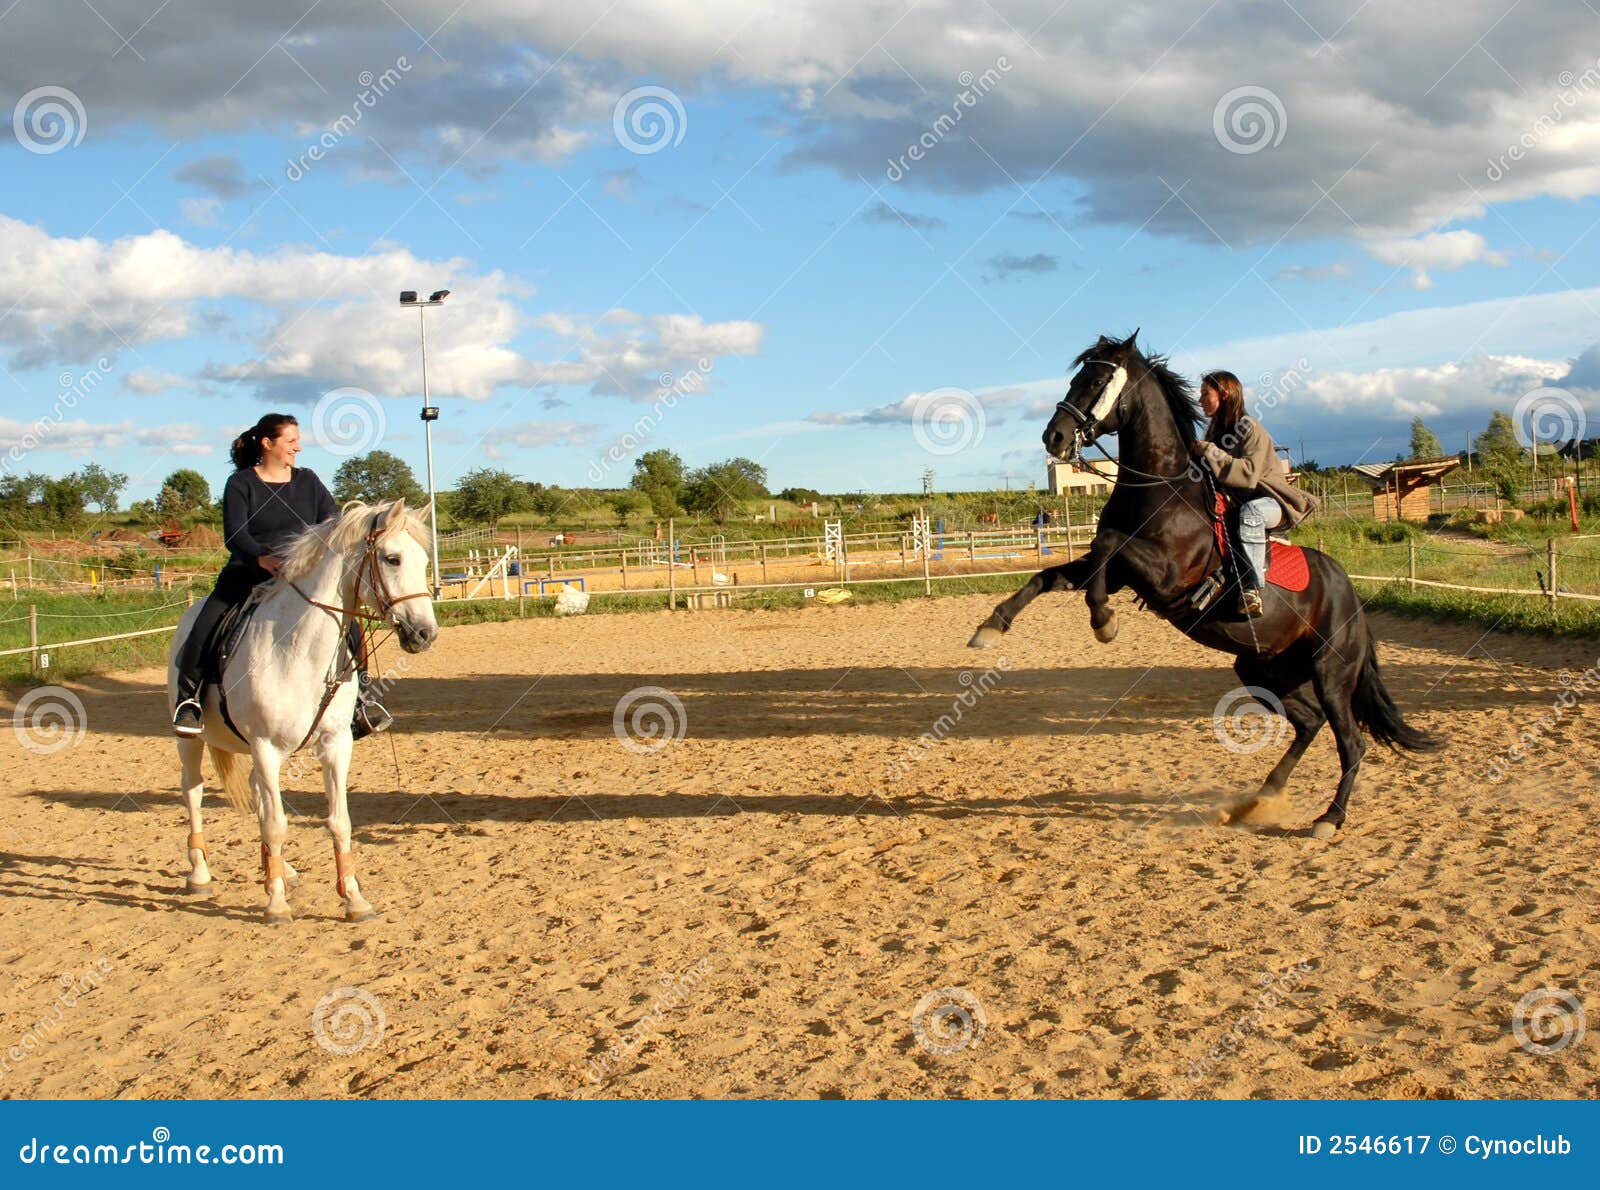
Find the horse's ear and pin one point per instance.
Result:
(1133, 337)
(396, 516)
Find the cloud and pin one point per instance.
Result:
(1583, 373)
(149, 383)
(1445, 251)
(534, 434)
(220, 175)
(619, 183)
(82, 437)
(905, 411)
(1337, 271)
(1007, 265)
(200, 212)
(332, 320)
(882, 212)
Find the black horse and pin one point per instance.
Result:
(1310, 651)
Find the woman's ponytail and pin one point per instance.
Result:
(246, 450)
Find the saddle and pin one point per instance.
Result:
(1286, 562)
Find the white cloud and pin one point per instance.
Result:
(81, 437)
(201, 212)
(332, 320)
(1445, 251)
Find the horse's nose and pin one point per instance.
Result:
(1054, 441)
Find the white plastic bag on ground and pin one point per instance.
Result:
(572, 601)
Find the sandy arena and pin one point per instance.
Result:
(541, 885)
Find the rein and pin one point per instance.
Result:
(1081, 439)
(387, 602)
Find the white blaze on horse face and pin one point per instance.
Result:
(1108, 398)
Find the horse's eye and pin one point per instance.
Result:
(391, 560)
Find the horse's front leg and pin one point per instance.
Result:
(264, 783)
(335, 756)
(1097, 593)
(1058, 578)
(190, 752)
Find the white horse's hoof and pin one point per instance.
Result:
(283, 917)
(986, 638)
(1323, 830)
(366, 914)
(200, 890)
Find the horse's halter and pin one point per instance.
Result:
(369, 567)
(1088, 424)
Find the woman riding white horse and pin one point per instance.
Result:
(290, 682)
(266, 501)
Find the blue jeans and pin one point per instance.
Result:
(1256, 517)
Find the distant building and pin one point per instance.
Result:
(1402, 490)
(1076, 477)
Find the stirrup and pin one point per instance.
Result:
(371, 718)
(180, 722)
(1250, 603)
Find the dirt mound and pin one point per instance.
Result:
(131, 536)
(201, 537)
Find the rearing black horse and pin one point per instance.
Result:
(1310, 650)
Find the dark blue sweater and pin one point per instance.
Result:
(262, 518)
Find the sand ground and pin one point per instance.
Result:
(760, 907)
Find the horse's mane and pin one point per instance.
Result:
(1180, 397)
(341, 536)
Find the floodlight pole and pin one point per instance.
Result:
(427, 434)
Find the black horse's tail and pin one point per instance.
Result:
(1376, 711)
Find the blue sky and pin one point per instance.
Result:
(1317, 198)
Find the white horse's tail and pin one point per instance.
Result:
(233, 769)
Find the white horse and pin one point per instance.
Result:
(290, 687)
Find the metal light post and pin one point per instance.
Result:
(430, 414)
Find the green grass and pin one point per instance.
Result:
(78, 617)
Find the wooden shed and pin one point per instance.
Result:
(1402, 491)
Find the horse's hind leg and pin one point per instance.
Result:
(1335, 681)
(335, 770)
(1301, 709)
(190, 752)
(274, 829)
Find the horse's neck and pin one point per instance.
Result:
(1151, 442)
(312, 627)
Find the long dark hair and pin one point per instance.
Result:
(246, 450)
(1230, 405)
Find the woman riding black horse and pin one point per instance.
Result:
(1309, 657)
(1241, 456)
(266, 503)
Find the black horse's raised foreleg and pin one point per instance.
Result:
(1068, 577)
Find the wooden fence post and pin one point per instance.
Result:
(672, 568)
(763, 563)
(1411, 542)
(624, 568)
(1550, 566)
(522, 574)
(33, 637)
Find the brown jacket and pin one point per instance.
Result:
(1252, 468)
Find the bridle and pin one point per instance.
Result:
(370, 570)
(1084, 434)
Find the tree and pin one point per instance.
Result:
(624, 504)
(800, 495)
(1425, 443)
(719, 490)
(488, 495)
(63, 501)
(375, 477)
(190, 493)
(547, 501)
(659, 475)
(1497, 446)
(101, 487)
